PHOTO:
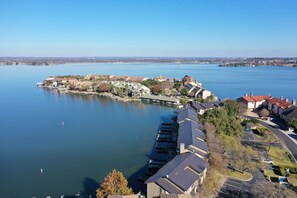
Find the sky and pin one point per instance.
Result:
(148, 28)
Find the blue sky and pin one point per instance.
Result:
(191, 28)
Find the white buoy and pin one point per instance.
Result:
(41, 171)
(62, 123)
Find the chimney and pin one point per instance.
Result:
(294, 102)
(287, 100)
(182, 148)
(252, 94)
(245, 95)
(282, 97)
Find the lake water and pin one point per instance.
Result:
(98, 134)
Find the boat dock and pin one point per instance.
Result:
(164, 100)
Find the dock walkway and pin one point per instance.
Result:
(160, 100)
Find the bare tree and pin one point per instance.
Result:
(266, 189)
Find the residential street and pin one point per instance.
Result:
(290, 144)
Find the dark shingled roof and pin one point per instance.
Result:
(206, 105)
(191, 127)
(188, 113)
(194, 91)
(178, 175)
(184, 108)
(188, 132)
(291, 112)
(189, 86)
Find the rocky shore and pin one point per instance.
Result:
(105, 94)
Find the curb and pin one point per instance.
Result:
(242, 179)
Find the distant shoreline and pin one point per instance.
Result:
(222, 62)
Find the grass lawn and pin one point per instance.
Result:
(293, 179)
(238, 175)
(281, 160)
(259, 136)
(280, 157)
(270, 173)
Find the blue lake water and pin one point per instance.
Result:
(98, 134)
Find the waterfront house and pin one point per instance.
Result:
(253, 102)
(191, 139)
(204, 94)
(166, 85)
(289, 113)
(135, 89)
(202, 107)
(97, 77)
(187, 114)
(160, 78)
(72, 81)
(182, 175)
(136, 78)
(183, 108)
(119, 78)
(278, 105)
(189, 80)
(196, 91)
(190, 136)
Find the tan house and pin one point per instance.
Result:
(278, 105)
(160, 78)
(253, 102)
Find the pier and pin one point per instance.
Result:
(160, 100)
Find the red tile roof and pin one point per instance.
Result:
(256, 98)
(136, 78)
(248, 99)
(283, 104)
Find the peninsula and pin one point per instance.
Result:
(168, 91)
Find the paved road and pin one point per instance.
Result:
(231, 188)
(285, 139)
(236, 188)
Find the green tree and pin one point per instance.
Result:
(210, 98)
(177, 84)
(254, 121)
(224, 123)
(113, 184)
(149, 83)
(232, 107)
(293, 123)
(267, 140)
(184, 101)
(265, 189)
(184, 92)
